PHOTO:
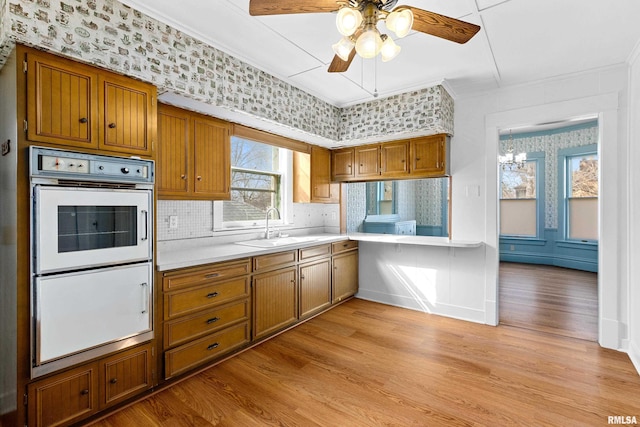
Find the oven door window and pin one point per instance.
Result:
(77, 228)
(82, 228)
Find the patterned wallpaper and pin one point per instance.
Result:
(550, 142)
(111, 35)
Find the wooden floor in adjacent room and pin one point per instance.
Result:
(549, 299)
(367, 364)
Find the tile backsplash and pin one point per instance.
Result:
(195, 220)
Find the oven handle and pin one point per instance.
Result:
(145, 297)
(146, 224)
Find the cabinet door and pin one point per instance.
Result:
(275, 300)
(62, 102)
(315, 287)
(345, 275)
(322, 189)
(367, 161)
(342, 162)
(126, 374)
(63, 399)
(128, 117)
(428, 155)
(211, 158)
(394, 158)
(172, 164)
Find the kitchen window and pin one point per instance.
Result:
(522, 199)
(259, 181)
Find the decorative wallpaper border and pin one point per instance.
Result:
(111, 35)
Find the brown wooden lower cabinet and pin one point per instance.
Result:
(345, 272)
(315, 287)
(66, 398)
(275, 301)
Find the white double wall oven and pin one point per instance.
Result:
(92, 256)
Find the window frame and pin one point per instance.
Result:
(539, 158)
(564, 156)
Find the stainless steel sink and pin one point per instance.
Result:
(281, 241)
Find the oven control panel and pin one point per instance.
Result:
(62, 164)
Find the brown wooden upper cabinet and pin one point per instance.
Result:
(411, 158)
(77, 105)
(312, 177)
(193, 159)
(430, 155)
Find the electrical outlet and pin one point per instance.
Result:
(333, 216)
(173, 221)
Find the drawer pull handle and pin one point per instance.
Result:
(212, 295)
(84, 392)
(213, 346)
(112, 125)
(345, 245)
(211, 276)
(212, 320)
(113, 380)
(83, 120)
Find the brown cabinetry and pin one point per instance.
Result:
(421, 157)
(312, 177)
(275, 301)
(430, 155)
(77, 105)
(315, 279)
(206, 313)
(66, 398)
(345, 270)
(193, 160)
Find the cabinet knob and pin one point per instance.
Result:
(302, 276)
(199, 178)
(112, 125)
(183, 176)
(417, 158)
(113, 380)
(83, 120)
(84, 392)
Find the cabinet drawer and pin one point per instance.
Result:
(213, 273)
(207, 348)
(181, 330)
(191, 300)
(343, 246)
(279, 259)
(124, 375)
(315, 251)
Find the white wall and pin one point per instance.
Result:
(465, 285)
(634, 198)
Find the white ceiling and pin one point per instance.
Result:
(519, 41)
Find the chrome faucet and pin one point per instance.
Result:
(267, 232)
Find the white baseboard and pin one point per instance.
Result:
(456, 312)
(609, 334)
(634, 355)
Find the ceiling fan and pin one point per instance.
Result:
(357, 21)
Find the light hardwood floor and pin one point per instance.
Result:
(367, 364)
(549, 299)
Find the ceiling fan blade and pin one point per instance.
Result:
(441, 26)
(339, 65)
(283, 7)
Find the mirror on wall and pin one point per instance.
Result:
(411, 207)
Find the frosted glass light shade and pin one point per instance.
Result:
(389, 50)
(343, 48)
(400, 22)
(369, 43)
(348, 21)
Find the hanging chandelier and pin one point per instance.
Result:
(357, 22)
(512, 161)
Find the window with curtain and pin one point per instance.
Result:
(519, 201)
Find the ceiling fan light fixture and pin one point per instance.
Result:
(369, 43)
(343, 48)
(389, 49)
(348, 21)
(400, 22)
